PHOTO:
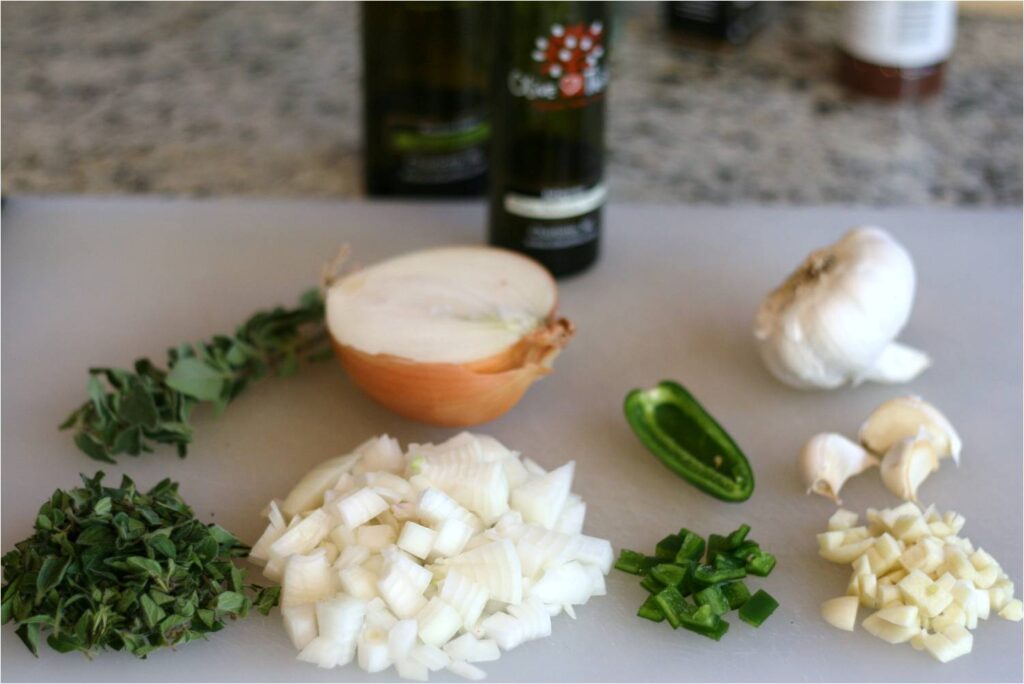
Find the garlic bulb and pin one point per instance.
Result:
(834, 320)
(828, 460)
(904, 417)
(907, 464)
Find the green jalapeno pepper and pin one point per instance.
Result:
(676, 428)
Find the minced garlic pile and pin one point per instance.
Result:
(925, 583)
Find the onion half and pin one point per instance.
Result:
(451, 336)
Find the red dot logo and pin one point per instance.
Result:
(568, 54)
(571, 85)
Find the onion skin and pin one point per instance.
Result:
(457, 395)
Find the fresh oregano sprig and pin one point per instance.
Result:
(131, 412)
(113, 568)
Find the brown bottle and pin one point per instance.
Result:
(896, 50)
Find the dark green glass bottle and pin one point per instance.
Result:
(547, 150)
(425, 78)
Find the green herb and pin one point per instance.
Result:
(709, 574)
(131, 412)
(113, 568)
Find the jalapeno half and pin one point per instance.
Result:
(676, 428)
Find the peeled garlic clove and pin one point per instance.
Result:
(841, 612)
(904, 417)
(828, 460)
(906, 465)
(886, 631)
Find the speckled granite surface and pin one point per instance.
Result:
(264, 99)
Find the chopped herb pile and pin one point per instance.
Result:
(692, 582)
(130, 412)
(113, 568)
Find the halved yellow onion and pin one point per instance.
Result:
(451, 336)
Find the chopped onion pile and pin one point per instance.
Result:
(926, 584)
(437, 558)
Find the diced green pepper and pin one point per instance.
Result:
(668, 547)
(717, 631)
(692, 547)
(649, 610)
(736, 593)
(652, 585)
(668, 574)
(761, 564)
(706, 575)
(744, 550)
(674, 427)
(687, 586)
(630, 561)
(717, 544)
(704, 621)
(737, 536)
(724, 562)
(702, 616)
(673, 605)
(758, 609)
(713, 596)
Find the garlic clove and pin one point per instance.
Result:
(904, 417)
(828, 460)
(898, 363)
(907, 464)
(886, 631)
(841, 612)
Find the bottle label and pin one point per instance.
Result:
(558, 219)
(901, 35)
(431, 152)
(557, 204)
(568, 69)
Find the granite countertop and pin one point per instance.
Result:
(213, 99)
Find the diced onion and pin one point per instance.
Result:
(360, 507)
(416, 539)
(416, 560)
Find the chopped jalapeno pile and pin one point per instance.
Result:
(693, 583)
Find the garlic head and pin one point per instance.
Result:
(907, 464)
(828, 460)
(904, 417)
(834, 320)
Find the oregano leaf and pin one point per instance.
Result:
(143, 573)
(196, 379)
(133, 412)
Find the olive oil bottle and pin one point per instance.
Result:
(547, 150)
(426, 72)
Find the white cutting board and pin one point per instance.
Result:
(99, 282)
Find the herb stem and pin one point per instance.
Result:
(130, 412)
